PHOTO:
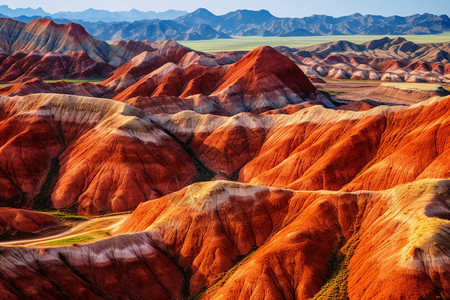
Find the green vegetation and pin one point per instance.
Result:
(70, 240)
(76, 80)
(336, 286)
(419, 86)
(332, 93)
(119, 213)
(222, 278)
(252, 42)
(353, 81)
(66, 216)
(102, 233)
(6, 84)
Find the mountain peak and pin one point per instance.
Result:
(264, 62)
(43, 22)
(202, 12)
(71, 29)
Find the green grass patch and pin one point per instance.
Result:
(102, 233)
(408, 85)
(66, 216)
(332, 93)
(352, 81)
(69, 241)
(76, 80)
(119, 213)
(251, 42)
(336, 286)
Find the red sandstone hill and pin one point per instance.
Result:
(145, 63)
(87, 154)
(173, 78)
(82, 141)
(350, 66)
(224, 240)
(385, 59)
(23, 65)
(263, 79)
(14, 222)
(46, 36)
(37, 86)
(398, 48)
(318, 148)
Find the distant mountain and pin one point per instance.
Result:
(17, 12)
(156, 30)
(247, 22)
(202, 24)
(93, 15)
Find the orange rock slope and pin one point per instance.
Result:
(222, 240)
(248, 182)
(83, 140)
(90, 155)
(317, 148)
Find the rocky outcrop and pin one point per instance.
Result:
(411, 94)
(223, 240)
(262, 80)
(129, 266)
(315, 148)
(15, 223)
(386, 59)
(37, 86)
(385, 48)
(23, 66)
(83, 140)
(44, 35)
(93, 155)
(145, 63)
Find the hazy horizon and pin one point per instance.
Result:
(291, 8)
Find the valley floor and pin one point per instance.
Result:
(86, 231)
(246, 43)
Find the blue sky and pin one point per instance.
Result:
(280, 8)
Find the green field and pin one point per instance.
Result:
(251, 42)
(419, 86)
(69, 241)
(76, 80)
(94, 80)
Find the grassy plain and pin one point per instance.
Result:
(419, 86)
(251, 42)
(76, 80)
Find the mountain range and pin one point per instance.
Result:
(44, 49)
(203, 24)
(93, 15)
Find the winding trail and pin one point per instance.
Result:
(106, 224)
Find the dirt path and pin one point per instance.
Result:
(97, 228)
